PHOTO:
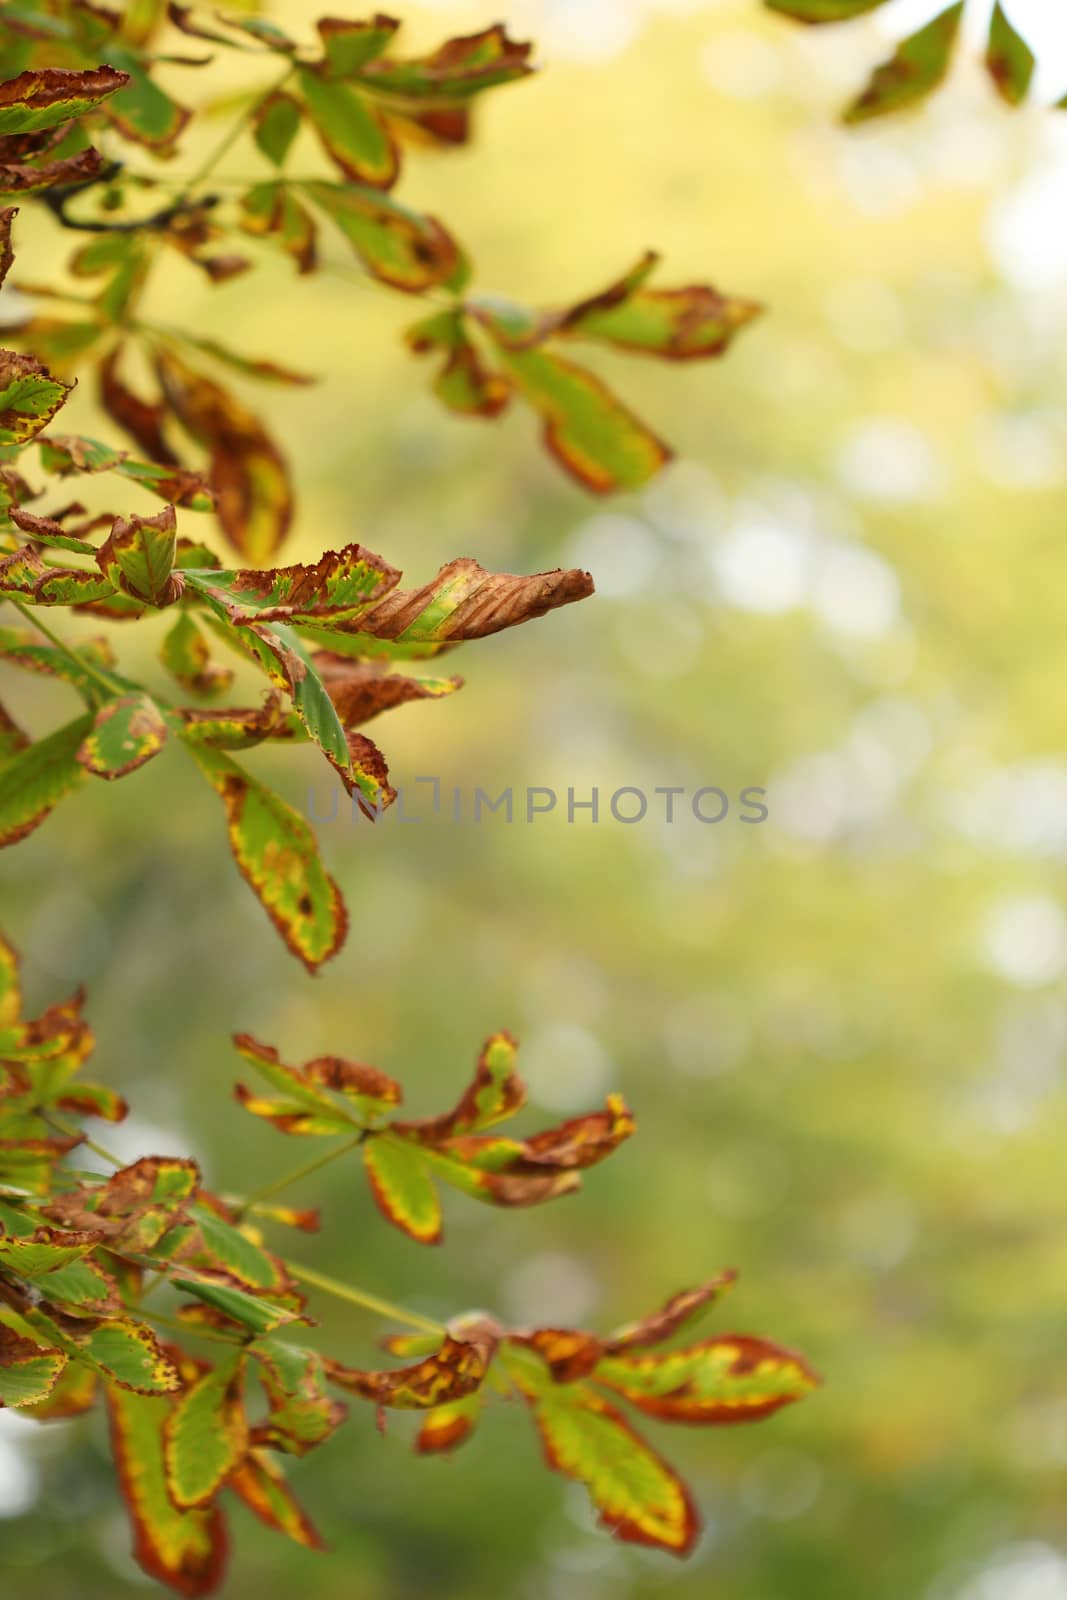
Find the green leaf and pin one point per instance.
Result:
(302, 1415)
(352, 134)
(591, 433)
(276, 125)
(639, 1497)
(129, 1353)
(28, 1371)
(126, 732)
(30, 1258)
(350, 45)
(138, 556)
(47, 96)
(29, 397)
(225, 1247)
(688, 324)
(37, 779)
(81, 1286)
(402, 1187)
(183, 1549)
(915, 69)
(823, 10)
(399, 246)
(1009, 59)
(143, 111)
(206, 1434)
(276, 852)
(261, 1316)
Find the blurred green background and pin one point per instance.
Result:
(844, 1031)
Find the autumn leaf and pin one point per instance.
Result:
(187, 1550)
(1009, 60)
(205, 1435)
(277, 855)
(29, 397)
(48, 96)
(246, 470)
(127, 732)
(397, 245)
(915, 69)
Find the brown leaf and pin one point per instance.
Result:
(141, 419)
(478, 603)
(7, 254)
(247, 471)
(457, 1369)
(361, 690)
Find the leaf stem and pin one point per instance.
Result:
(276, 1185)
(82, 666)
(68, 1132)
(231, 136)
(359, 1297)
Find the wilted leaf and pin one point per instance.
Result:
(137, 1204)
(361, 690)
(247, 472)
(17, 177)
(466, 602)
(127, 732)
(206, 1433)
(457, 1369)
(260, 1483)
(7, 254)
(47, 96)
(917, 66)
(186, 1550)
(680, 1311)
(276, 852)
(33, 782)
(142, 419)
(449, 1426)
(71, 1396)
(29, 397)
(399, 246)
(496, 1092)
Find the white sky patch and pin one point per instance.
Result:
(619, 551)
(1025, 940)
(19, 1478)
(855, 592)
(889, 459)
(763, 566)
